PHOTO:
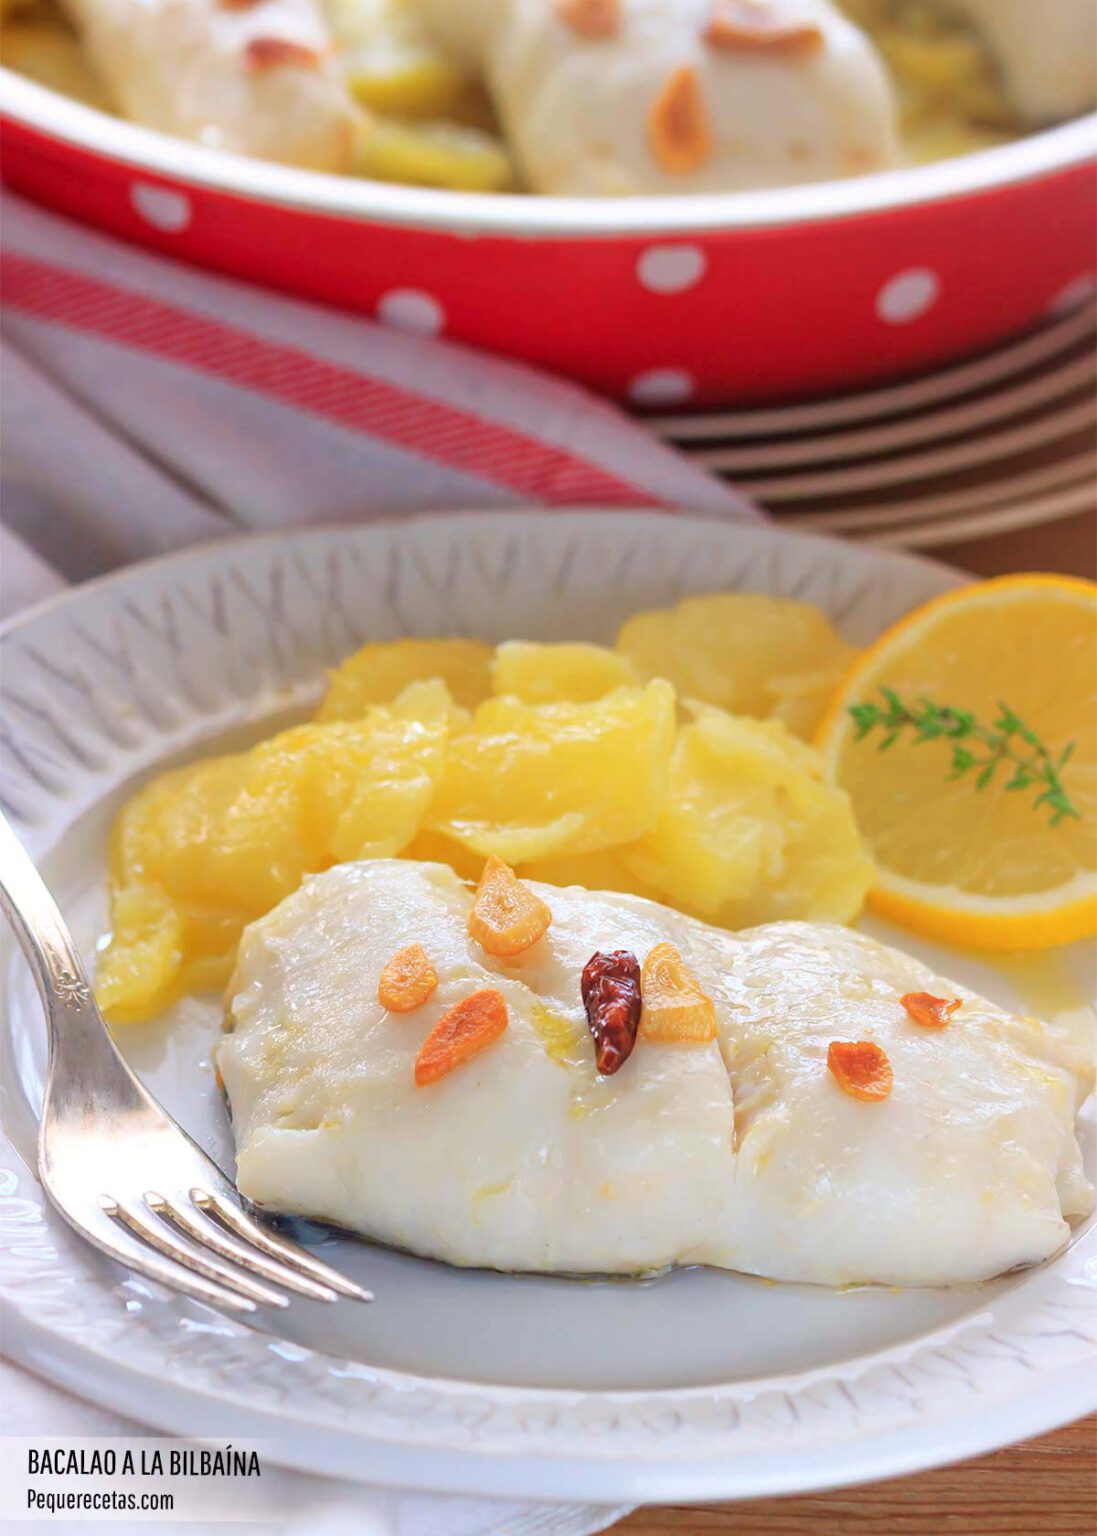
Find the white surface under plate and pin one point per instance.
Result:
(700, 1385)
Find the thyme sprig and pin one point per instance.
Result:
(976, 748)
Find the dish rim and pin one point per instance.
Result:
(1043, 153)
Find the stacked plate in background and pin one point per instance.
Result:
(1005, 441)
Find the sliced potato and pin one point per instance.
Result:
(750, 832)
(428, 123)
(434, 154)
(379, 674)
(202, 850)
(433, 848)
(553, 674)
(540, 781)
(51, 55)
(745, 652)
(605, 870)
(390, 62)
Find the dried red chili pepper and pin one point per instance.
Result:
(611, 996)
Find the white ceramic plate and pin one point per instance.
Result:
(701, 1385)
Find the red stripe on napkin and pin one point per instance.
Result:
(441, 433)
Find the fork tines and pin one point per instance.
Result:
(209, 1247)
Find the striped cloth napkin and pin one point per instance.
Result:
(146, 406)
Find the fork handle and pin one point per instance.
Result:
(91, 1058)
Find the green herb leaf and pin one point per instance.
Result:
(1007, 741)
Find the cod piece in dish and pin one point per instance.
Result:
(734, 1146)
(254, 78)
(611, 97)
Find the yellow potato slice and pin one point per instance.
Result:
(433, 848)
(538, 781)
(377, 674)
(950, 91)
(750, 833)
(605, 870)
(799, 699)
(203, 850)
(433, 154)
(431, 700)
(553, 674)
(144, 960)
(50, 54)
(411, 84)
(745, 652)
(601, 871)
(390, 62)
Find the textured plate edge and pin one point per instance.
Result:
(683, 517)
(367, 1458)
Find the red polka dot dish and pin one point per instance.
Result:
(667, 303)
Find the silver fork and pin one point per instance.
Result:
(115, 1165)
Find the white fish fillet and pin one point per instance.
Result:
(576, 111)
(743, 1153)
(252, 78)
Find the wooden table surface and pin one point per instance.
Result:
(1046, 1487)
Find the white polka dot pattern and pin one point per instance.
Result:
(670, 268)
(410, 309)
(1080, 290)
(908, 296)
(661, 386)
(164, 209)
